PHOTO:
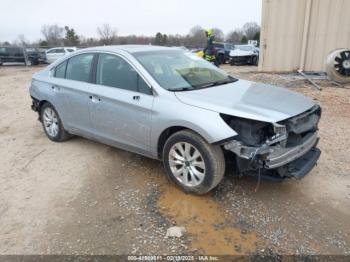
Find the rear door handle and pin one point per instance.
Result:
(136, 98)
(94, 99)
(55, 88)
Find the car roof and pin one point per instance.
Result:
(128, 48)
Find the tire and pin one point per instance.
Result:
(221, 59)
(35, 62)
(193, 178)
(49, 117)
(254, 60)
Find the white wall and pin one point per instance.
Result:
(290, 26)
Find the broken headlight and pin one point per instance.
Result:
(255, 133)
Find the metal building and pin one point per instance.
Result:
(298, 34)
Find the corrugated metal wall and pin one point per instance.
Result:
(325, 26)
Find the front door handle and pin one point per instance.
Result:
(136, 98)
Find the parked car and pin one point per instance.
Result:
(244, 54)
(54, 53)
(14, 54)
(170, 105)
(223, 51)
(36, 55)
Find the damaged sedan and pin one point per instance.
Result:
(171, 105)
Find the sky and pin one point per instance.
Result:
(139, 17)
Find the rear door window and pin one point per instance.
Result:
(79, 67)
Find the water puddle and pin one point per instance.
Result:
(206, 223)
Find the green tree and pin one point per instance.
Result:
(71, 37)
(164, 40)
(43, 43)
(244, 40)
(158, 39)
(257, 37)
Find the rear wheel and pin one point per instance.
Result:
(254, 60)
(52, 124)
(193, 164)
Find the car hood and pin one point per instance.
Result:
(249, 100)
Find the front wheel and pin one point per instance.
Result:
(192, 163)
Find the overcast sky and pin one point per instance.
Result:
(140, 17)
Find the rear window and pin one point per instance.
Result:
(60, 71)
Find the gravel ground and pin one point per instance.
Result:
(82, 197)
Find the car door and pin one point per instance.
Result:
(121, 104)
(72, 85)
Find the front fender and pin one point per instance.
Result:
(206, 123)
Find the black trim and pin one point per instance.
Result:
(93, 71)
(224, 140)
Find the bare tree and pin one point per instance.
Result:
(108, 34)
(250, 29)
(219, 35)
(234, 36)
(53, 34)
(22, 40)
(196, 36)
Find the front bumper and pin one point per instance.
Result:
(240, 59)
(288, 162)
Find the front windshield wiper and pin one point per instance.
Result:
(216, 83)
(180, 89)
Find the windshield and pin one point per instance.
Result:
(180, 71)
(244, 47)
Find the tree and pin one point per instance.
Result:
(43, 43)
(108, 34)
(244, 40)
(250, 29)
(196, 36)
(53, 34)
(257, 37)
(164, 40)
(21, 40)
(235, 36)
(71, 38)
(158, 39)
(219, 35)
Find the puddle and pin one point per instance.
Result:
(206, 223)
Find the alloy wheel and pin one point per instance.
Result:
(50, 121)
(187, 164)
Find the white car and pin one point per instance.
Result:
(54, 53)
(244, 54)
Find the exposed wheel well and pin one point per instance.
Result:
(40, 105)
(164, 137)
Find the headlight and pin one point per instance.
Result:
(256, 133)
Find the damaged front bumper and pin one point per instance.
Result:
(287, 162)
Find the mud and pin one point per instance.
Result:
(206, 223)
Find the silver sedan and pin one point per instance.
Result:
(171, 105)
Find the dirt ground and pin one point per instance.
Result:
(82, 197)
